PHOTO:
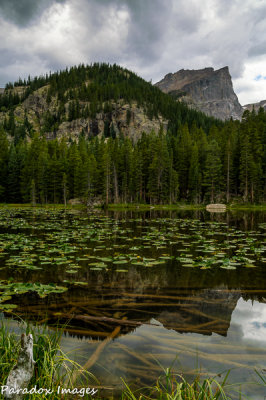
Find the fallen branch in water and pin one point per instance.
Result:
(95, 356)
(88, 318)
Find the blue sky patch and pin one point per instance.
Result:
(260, 78)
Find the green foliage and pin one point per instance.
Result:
(157, 169)
(53, 368)
(198, 160)
(171, 386)
(212, 172)
(99, 85)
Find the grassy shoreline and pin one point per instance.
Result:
(142, 207)
(55, 369)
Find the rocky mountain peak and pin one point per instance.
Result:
(207, 90)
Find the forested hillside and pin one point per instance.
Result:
(87, 93)
(198, 159)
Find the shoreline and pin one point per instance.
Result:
(140, 207)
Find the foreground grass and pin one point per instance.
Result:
(175, 387)
(54, 369)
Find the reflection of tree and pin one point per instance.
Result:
(190, 305)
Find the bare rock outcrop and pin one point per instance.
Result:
(206, 90)
(130, 120)
(255, 106)
(125, 119)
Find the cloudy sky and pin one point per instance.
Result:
(150, 37)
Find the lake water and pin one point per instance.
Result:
(193, 283)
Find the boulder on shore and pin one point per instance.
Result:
(216, 207)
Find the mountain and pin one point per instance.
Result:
(256, 106)
(96, 100)
(206, 90)
(95, 116)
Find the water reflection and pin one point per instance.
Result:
(250, 316)
(209, 320)
(140, 355)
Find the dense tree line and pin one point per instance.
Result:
(200, 159)
(224, 164)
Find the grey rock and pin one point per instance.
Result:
(139, 122)
(256, 106)
(206, 90)
(76, 201)
(37, 107)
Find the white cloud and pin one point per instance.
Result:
(151, 37)
(250, 89)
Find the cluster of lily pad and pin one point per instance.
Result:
(36, 241)
(8, 289)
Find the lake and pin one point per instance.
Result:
(157, 289)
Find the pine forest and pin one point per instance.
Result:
(197, 159)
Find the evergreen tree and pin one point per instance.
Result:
(212, 172)
(194, 178)
(4, 150)
(13, 188)
(184, 156)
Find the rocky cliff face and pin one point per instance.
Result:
(206, 90)
(125, 119)
(130, 120)
(256, 106)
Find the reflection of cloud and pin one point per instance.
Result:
(251, 318)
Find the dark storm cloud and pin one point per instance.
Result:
(151, 37)
(147, 25)
(22, 12)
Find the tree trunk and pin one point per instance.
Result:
(212, 193)
(88, 189)
(228, 178)
(252, 192)
(107, 186)
(21, 374)
(65, 189)
(246, 180)
(33, 193)
(115, 185)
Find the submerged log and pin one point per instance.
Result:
(136, 355)
(21, 374)
(95, 356)
(89, 318)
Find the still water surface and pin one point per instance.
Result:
(194, 283)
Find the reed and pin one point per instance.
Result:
(55, 369)
(171, 386)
